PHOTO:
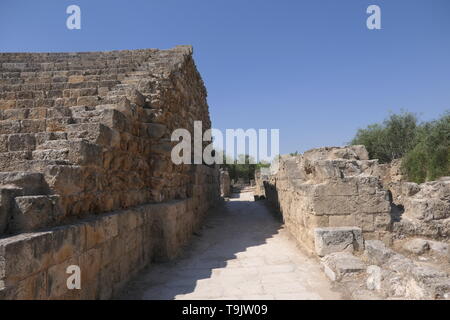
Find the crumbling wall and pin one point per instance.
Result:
(225, 183)
(422, 210)
(339, 204)
(330, 187)
(87, 136)
(261, 175)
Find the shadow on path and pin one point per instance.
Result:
(234, 256)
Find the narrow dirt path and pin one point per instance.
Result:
(243, 252)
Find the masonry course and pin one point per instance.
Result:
(85, 171)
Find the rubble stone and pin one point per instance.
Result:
(338, 239)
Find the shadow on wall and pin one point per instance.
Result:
(229, 229)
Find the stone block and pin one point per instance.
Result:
(90, 263)
(374, 278)
(65, 180)
(9, 127)
(30, 182)
(85, 153)
(68, 241)
(34, 212)
(334, 205)
(376, 252)
(21, 142)
(57, 279)
(32, 126)
(24, 255)
(101, 229)
(417, 246)
(338, 239)
(340, 266)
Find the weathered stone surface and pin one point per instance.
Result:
(426, 208)
(377, 252)
(441, 249)
(337, 184)
(374, 278)
(34, 212)
(417, 246)
(340, 265)
(338, 239)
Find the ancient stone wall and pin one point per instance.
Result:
(339, 205)
(422, 210)
(88, 134)
(225, 183)
(330, 187)
(93, 125)
(109, 249)
(261, 175)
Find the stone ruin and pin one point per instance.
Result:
(261, 175)
(225, 183)
(86, 177)
(377, 235)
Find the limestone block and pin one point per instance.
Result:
(34, 212)
(33, 287)
(32, 126)
(376, 252)
(340, 266)
(84, 153)
(346, 187)
(334, 205)
(441, 249)
(30, 182)
(374, 278)
(417, 246)
(64, 179)
(114, 119)
(360, 151)
(68, 241)
(425, 282)
(51, 154)
(338, 239)
(136, 97)
(100, 230)
(21, 142)
(9, 127)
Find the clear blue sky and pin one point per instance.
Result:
(308, 67)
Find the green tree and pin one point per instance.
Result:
(244, 168)
(424, 148)
(430, 157)
(390, 140)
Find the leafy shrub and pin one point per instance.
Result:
(425, 148)
(430, 157)
(390, 140)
